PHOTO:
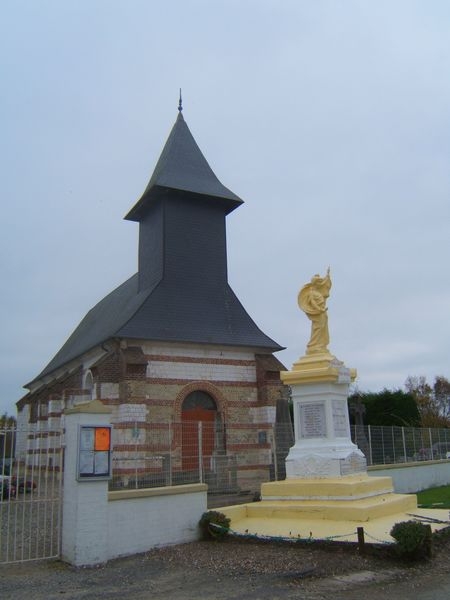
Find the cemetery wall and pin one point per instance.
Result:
(409, 478)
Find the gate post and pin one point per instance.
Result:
(85, 502)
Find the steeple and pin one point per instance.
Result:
(183, 167)
(180, 292)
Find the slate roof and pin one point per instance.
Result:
(170, 309)
(125, 313)
(182, 166)
(100, 323)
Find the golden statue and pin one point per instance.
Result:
(312, 300)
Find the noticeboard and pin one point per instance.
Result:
(94, 452)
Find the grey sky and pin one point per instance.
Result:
(329, 118)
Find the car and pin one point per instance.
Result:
(423, 454)
(7, 487)
(441, 450)
(5, 466)
(23, 484)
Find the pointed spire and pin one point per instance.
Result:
(183, 167)
(180, 103)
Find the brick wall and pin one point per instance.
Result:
(146, 383)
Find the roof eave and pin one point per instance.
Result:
(158, 191)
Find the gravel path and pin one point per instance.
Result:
(230, 570)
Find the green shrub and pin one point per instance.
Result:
(413, 539)
(211, 518)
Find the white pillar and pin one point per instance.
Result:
(323, 445)
(85, 514)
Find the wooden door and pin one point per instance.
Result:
(190, 437)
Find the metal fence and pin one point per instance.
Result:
(392, 445)
(237, 458)
(30, 493)
(230, 459)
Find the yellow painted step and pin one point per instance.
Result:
(337, 510)
(353, 487)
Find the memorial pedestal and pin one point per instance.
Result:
(323, 446)
(327, 490)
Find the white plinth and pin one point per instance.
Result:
(329, 461)
(323, 445)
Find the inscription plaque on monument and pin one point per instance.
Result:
(340, 418)
(312, 420)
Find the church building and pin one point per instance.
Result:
(172, 346)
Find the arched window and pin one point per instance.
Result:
(89, 384)
(199, 399)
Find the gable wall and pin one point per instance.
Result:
(145, 384)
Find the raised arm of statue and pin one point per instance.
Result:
(312, 300)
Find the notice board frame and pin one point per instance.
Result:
(94, 452)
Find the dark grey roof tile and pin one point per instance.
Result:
(182, 166)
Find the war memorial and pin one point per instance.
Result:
(327, 493)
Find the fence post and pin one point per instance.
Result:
(369, 431)
(135, 435)
(274, 451)
(431, 442)
(170, 452)
(200, 452)
(404, 444)
(393, 444)
(361, 541)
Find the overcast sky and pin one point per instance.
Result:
(329, 118)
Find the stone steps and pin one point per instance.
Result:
(342, 488)
(336, 510)
(354, 498)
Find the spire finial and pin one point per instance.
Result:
(180, 103)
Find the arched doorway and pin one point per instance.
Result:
(199, 407)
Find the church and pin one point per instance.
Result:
(172, 346)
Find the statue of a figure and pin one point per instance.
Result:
(312, 300)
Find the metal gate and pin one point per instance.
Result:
(31, 461)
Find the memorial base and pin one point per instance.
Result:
(325, 461)
(323, 446)
(352, 498)
(332, 508)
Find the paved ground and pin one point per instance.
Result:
(233, 571)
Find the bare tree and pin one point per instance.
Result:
(433, 402)
(7, 421)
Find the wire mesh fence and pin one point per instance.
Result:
(237, 458)
(392, 445)
(228, 458)
(233, 459)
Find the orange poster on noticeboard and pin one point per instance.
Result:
(102, 438)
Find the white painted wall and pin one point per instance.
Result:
(98, 526)
(138, 524)
(263, 414)
(195, 350)
(200, 371)
(84, 525)
(413, 477)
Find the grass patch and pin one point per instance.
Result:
(438, 497)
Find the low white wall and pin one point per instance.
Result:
(142, 519)
(98, 525)
(414, 477)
